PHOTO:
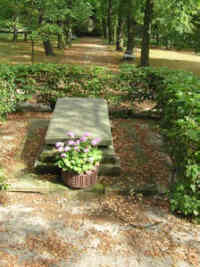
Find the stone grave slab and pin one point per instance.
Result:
(80, 115)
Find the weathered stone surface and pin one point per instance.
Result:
(35, 107)
(109, 155)
(45, 167)
(79, 115)
(31, 183)
(48, 154)
(110, 169)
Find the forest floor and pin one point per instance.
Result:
(101, 229)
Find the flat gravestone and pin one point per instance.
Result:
(79, 115)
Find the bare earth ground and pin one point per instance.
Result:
(87, 228)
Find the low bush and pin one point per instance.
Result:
(177, 95)
(50, 81)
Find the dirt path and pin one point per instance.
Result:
(92, 51)
(52, 230)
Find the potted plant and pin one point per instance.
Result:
(79, 159)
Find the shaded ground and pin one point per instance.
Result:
(51, 230)
(93, 51)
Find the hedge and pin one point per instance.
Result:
(50, 81)
(177, 95)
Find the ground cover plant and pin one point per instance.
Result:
(48, 82)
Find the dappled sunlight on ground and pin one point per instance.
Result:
(93, 51)
(174, 55)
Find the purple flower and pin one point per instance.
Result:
(67, 148)
(71, 134)
(76, 148)
(86, 134)
(86, 150)
(63, 155)
(78, 142)
(71, 143)
(83, 138)
(59, 144)
(60, 149)
(95, 141)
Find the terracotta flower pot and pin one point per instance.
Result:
(75, 180)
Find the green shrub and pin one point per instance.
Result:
(49, 82)
(177, 95)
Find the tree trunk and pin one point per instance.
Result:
(48, 48)
(32, 50)
(46, 43)
(25, 37)
(146, 33)
(119, 34)
(15, 34)
(157, 38)
(60, 41)
(131, 33)
(68, 33)
(109, 22)
(104, 27)
(68, 27)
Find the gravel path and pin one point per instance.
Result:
(52, 230)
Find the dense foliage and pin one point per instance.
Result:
(50, 81)
(177, 94)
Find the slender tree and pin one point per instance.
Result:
(109, 21)
(119, 31)
(146, 33)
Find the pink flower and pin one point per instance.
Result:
(95, 141)
(59, 144)
(77, 142)
(63, 155)
(60, 149)
(76, 148)
(86, 134)
(86, 150)
(71, 134)
(71, 143)
(83, 138)
(67, 148)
